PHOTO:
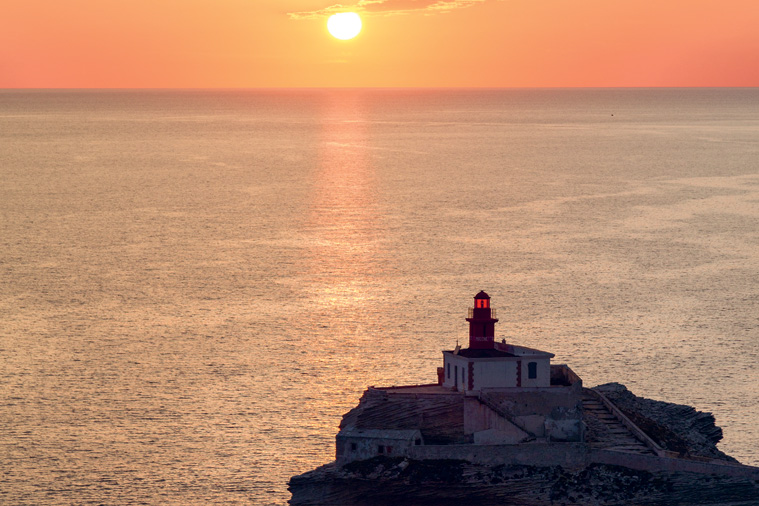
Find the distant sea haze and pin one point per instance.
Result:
(196, 285)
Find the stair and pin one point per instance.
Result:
(605, 431)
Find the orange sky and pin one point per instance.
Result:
(451, 43)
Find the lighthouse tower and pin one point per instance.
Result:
(487, 364)
(481, 323)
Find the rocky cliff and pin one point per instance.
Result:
(386, 481)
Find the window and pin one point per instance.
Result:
(353, 447)
(449, 370)
(532, 370)
(389, 450)
(418, 442)
(380, 449)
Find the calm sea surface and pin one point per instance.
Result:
(195, 286)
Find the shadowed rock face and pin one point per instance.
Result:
(439, 418)
(384, 481)
(674, 427)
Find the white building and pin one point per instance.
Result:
(361, 444)
(487, 364)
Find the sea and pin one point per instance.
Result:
(195, 285)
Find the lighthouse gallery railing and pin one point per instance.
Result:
(492, 313)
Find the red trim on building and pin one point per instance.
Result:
(519, 373)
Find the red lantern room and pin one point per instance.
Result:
(482, 323)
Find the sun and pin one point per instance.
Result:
(344, 25)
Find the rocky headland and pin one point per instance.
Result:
(634, 452)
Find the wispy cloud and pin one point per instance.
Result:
(389, 7)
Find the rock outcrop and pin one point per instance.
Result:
(695, 472)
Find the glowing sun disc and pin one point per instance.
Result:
(344, 25)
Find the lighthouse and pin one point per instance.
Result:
(490, 393)
(482, 322)
(488, 364)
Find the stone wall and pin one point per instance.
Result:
(479, 418)
(654, 464)
(567, 455)
(553, 412)
(562, 374)
(574, 456)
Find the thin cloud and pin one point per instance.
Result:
(389, 7)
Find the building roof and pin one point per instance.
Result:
(500, 351)
(482, 353)
(482, 295)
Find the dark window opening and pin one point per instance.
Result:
(380, 449)
(418, 442)
(389, 450)
(449, 371)
(532, 370)
(353, 447)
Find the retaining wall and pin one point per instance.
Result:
(574, 456)
(654, 464)
(568, 455)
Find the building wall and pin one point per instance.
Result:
(350, 448)
(543, 370)
(456, 364)
(495, 374)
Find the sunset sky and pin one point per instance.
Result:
(426, 43)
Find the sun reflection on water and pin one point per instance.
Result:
(342, 215)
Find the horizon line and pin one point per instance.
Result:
(277, 88)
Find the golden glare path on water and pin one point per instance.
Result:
(342, 217)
